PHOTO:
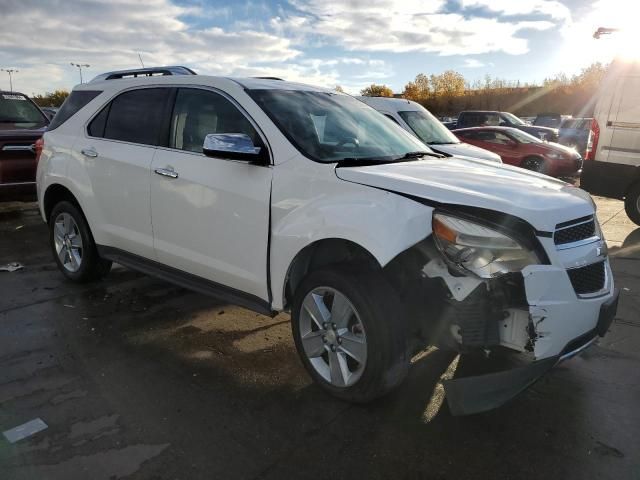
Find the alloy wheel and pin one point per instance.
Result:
(68, 242)
(333, 336)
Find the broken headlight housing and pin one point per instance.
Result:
(474, 248)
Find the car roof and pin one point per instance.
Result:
(391, 104)
(480, 129)
(481, 111)
(247, 83)
(7, 92)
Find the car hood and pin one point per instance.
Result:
(466, 150)
(557, 147)
(540, 200)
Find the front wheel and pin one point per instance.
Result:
(72, 244)
(632, 204)
(349, 333)
(535, 164)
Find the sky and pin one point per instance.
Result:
(321, 42)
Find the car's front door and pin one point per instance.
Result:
(211, 215)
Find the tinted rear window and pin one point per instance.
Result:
(72, 105)
(18, 110)
(136, 116)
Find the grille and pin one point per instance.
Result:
(589, 279)
(575, 233)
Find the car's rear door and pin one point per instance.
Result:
(117, 153)
(211, 215)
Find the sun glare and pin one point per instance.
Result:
(579, 49)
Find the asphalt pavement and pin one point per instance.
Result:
(136, 378)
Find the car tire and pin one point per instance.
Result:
(355, 349)
(535, 164)
(632, 203)
(72, 245)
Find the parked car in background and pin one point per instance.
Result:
(416, 119)
(50, 112)
(551, 120)
(377, 246)
(574, 133)
(516, 147)
(22, 123)
(612, 163)
(477, 118)
(528, 120)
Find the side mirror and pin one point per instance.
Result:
(235, 146)
(513, 144)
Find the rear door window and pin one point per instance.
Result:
(135, 116)
(74, 102)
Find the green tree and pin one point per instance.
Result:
(374, 90)
(51, 99)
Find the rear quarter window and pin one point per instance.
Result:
(74, 102)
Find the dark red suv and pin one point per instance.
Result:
(516, 147)
(22, 123)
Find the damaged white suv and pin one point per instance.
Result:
(280, 196)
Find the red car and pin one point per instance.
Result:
(523, 150)
(21, 124)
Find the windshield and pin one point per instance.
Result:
(329, 127)
(523, 137)
(513, 120)
(17, 109)
(427, 128)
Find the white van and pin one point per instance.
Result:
(612, 162)
(416, 119)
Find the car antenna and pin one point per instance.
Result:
(141, 62)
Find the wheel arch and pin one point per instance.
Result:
(54, 194)
(321, 253)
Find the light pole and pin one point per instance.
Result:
(80, 67)
(10, 71)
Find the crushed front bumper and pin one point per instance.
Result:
(561, 325)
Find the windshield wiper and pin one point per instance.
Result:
(442, 143)
(410, 155)
(364, 161)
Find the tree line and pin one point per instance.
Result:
(50, 99)
(449, 93)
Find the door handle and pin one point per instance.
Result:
(167, 172)
(89, 152)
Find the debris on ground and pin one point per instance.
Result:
(11, 267)
(25, 430)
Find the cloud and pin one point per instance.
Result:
(473, 63)
(548, 8)
(411, 26)
(108, 35)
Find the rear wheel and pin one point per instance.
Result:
(535, 164)
(632, 203)
(349, 333)
(72, 244)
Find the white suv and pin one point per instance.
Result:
(280, 196)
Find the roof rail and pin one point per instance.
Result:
(144, 72)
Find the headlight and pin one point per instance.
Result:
(555, 156)
(478, 249)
